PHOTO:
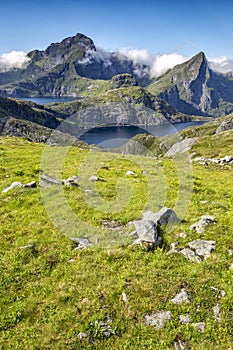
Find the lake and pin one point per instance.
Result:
(49, 99)
(116, 136)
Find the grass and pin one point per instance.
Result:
(46, 301)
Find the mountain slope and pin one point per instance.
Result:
(193, 88)
(66, 68)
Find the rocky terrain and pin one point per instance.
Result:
(75, 67)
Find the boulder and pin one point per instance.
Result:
(94, 178)
(203, 248)
(181, 298)
(181, 147)
(12, 186)
(31, 184)
(158, 319)
(163, 217)
(82, 243)
(200, 225)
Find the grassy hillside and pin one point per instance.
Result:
(50, 295)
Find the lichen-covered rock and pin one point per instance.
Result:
(158, 319)
(181, 298)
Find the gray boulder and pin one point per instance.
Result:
(12, 186)
(82, 243)
(225, 125)
(203, 248)
(164, 216)
(200, 225)
(181, 298)
(158, 319)
(31, 184)
(181, 147)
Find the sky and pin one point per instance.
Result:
(159, 26)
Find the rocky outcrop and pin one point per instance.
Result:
(123, 80)
(193, 88)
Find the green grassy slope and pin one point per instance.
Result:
(46, 301)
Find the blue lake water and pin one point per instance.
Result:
(116, 136)
(51, 99)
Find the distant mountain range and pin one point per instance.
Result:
(74, 67)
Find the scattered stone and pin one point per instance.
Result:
(196, 250)
(89, 191)
(105, 167)
(217, 313)
(94, 178)
(164, 216)
(174, 245)
(231, 266)
(29, 246)
(181, 298)
(71, 181)
(82, 243)
(183, 235)
(104, 328)
(200, 326)
(82, 335)
(31, 184)
(130, 172)
(203, 248)
(230, 252)
(180, 345)
(124, 297)
(220, 291)
(200, 225)
(72, 260)
(204, 202)
(221, 161)
(225, 125)
(158, 319)
(185, 319)
(12, 186)
(47, 180)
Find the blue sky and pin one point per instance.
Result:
(164, 26)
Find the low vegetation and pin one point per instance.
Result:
(52, 293)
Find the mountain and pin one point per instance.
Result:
(193, 88)
(67, 68)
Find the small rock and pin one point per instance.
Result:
(185, 319)
(12, 186)
(190, 255)
(124, 297)
(217, 313)
(71, 181)
(146, 231)
(180, 345)
(82, 335)
(203, 248)
(47, 180)
(29, 246)
(31, 184)
(200, 326)
(182, 235)
(220, 291)
(204, 202)
(104, 328)
(230, 252)
(94, 178)
(231, 266)
(174, 245)
(130, 172)
(181, 298)
(158, 319)
(83, 243)
(199, 226)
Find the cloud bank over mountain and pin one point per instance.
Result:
(13, 60)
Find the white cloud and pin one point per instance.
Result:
(12, 60)
(221, 64)
(139, 57)
(162, 63)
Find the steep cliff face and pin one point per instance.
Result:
(193, 88)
